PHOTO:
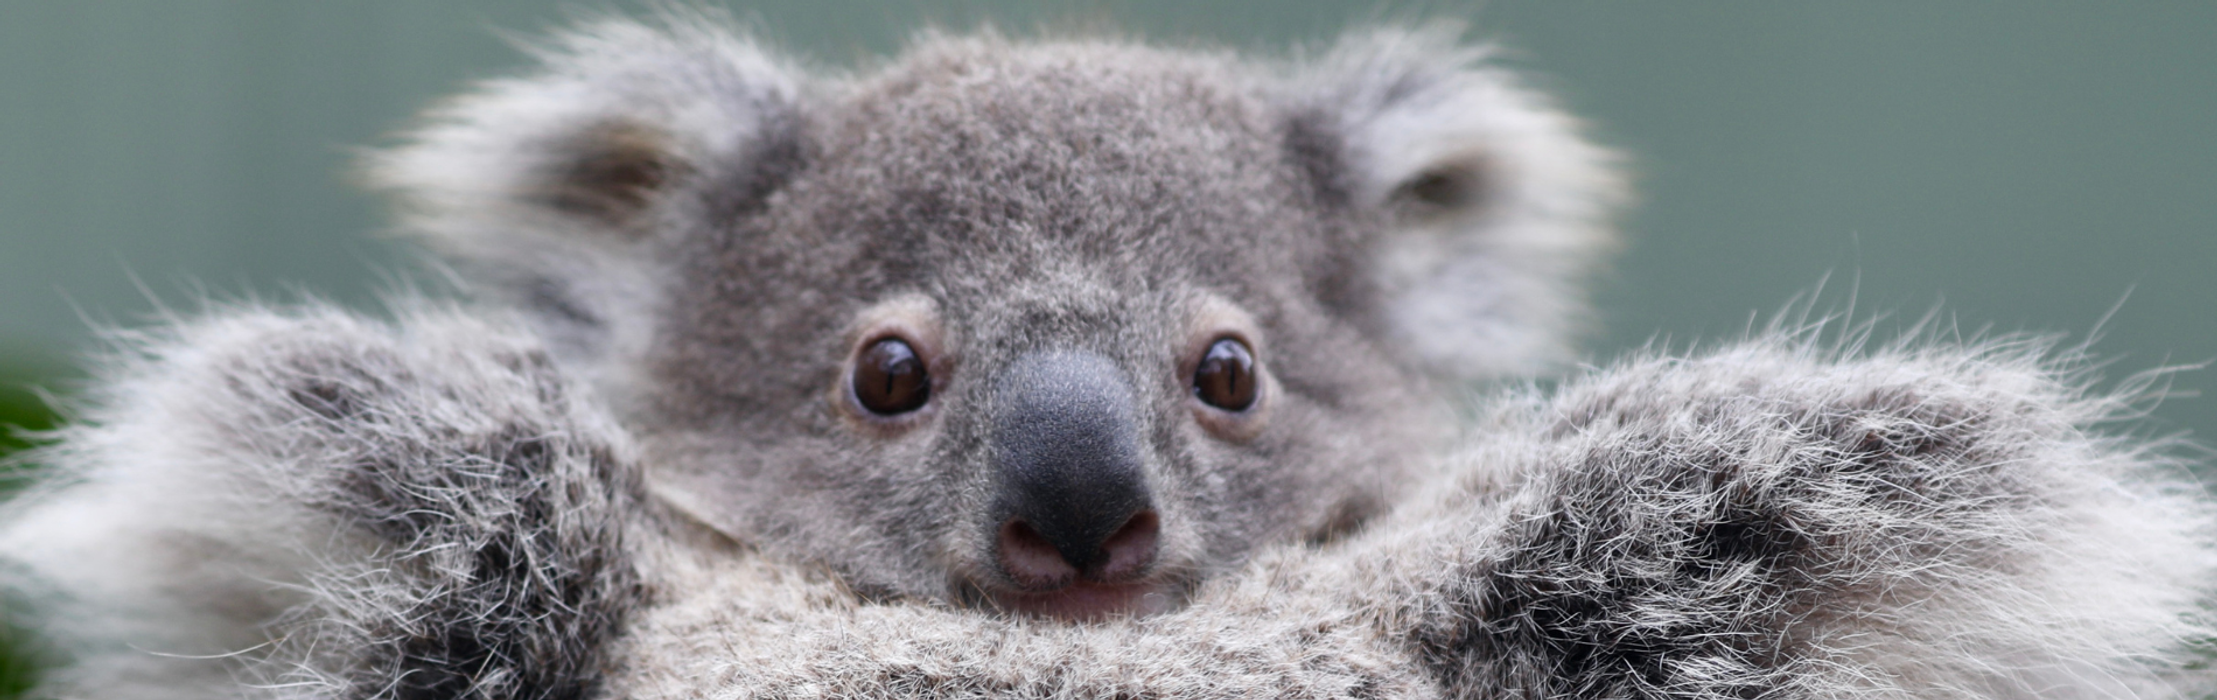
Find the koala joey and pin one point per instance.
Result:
(1059, 327)
(1069, 369)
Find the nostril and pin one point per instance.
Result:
(1033, 562)
(1030, 560)
(1131, 550)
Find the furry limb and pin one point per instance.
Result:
(313, 505)
(309, 505)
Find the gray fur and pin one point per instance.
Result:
(704, 232)
(647, 481)
(1769, 520)
(336, 508)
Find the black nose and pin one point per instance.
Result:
(1071, 491)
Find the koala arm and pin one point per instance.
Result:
(309, 505)
(1774, 520)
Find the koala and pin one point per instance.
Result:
(1071, 368)
(1061, 327)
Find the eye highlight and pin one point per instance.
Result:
(1225, 377)
(890, 379)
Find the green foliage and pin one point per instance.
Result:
(21, 409)
(18, 671)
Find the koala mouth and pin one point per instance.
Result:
(1089, 602)
(1054, 578)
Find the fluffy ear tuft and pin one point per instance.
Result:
(1443, 189)
(1498, 207)
(611, 172)
(549, 191)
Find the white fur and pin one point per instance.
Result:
(1495, 291)
(469, 185)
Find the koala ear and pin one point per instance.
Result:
(1495, 208)
(553, 191)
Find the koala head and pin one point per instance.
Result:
(1060, 327)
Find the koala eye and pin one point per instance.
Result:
(1226, 376)
(889, 378)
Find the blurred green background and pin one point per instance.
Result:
(2023, 164)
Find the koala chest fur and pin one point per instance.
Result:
(1062, 327)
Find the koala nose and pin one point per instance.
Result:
(1070, 488)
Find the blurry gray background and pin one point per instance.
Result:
(2024, 164)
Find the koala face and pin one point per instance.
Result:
(1059, 327)
(1054, 252)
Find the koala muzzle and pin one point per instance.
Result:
(1071, 490)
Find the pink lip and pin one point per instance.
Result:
(1086, 602)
